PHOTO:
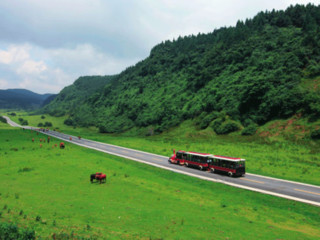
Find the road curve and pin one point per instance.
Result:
(301, 192)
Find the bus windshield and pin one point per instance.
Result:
(241, 164)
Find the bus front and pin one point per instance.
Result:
(241, 167)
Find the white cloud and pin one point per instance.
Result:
(14, 54)
(45, 45)
(58, 67)
(3, 84)
(32, 67)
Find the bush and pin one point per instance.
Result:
(205, 121)
(68, 122)
(40, 124)
(47, 124)
(2, 119)
(24, 122)
(9, 231)
(315, 134)
(249, 130)
(43, 117)
(227, 127)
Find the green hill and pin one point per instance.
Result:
(262, 69)
(71, 99)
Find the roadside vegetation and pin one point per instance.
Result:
(46, 189)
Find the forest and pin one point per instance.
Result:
(233, 78)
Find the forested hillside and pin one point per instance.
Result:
(22, 99)
(71, 99)
(264, 68)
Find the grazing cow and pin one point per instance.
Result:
(101, 177)
(40, 139)
(62, 145)
(40, 145)
(70, 138)
(48, 140)
(32, 139)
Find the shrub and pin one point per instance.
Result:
(227, 127)
(2, 119)
(315, 134)
(38, 218)
(205, 121)
(24, 122)
(9, 231)
(47, 124)
(249, 130)
(40, 124)
(68, 122)
(43, 117)
(25, 169)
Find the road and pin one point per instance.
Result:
(301, 192)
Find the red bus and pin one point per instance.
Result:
(231, 166)
(194, 159)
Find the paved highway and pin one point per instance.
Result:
(277, 187)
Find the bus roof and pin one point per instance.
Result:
(228, 158)
(200, 154)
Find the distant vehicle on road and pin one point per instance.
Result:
(214, 163)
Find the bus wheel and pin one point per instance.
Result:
(212, 170)
(178, 162)
(230, 174)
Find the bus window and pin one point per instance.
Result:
(209, 160)
(203, 159)
(179, 155)
(184, 156)
(223, 163)
(232, 165)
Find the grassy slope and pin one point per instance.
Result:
(268, 153)
(138, 201)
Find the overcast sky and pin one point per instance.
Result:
(47, 44)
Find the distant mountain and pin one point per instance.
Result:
(22, 99)
(262, 69)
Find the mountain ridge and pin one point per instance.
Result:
(18, 98)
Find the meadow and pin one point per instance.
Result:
(48, 189)
(283, 155)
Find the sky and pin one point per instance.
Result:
(46, 45)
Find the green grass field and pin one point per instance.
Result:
(282, 153)
(48, 189)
